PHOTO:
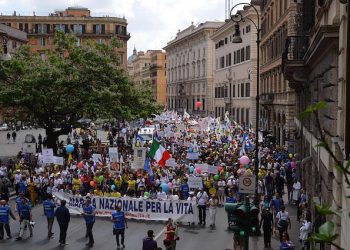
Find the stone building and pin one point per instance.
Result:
(76, 20)
(235, 70)
(277, 98)
(315, 63)
(190, 69)
(150, 66)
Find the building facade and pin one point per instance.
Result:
(190, 69)
(235, 70)
(150, 66)
(75, 20)
(276, 97)
(315, 63)
(11, 39)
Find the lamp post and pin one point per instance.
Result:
(237, 18)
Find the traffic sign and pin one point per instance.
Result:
(247, 184)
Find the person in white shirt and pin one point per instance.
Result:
(305, 231)
(283, 221)
(221, 192)
(296, 191)
(176, 184)
(18, 178)
(213, 204)
(202, 200)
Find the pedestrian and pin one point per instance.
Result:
(63, 218)
(296, 191)
(170, 232)
(17, 180)
(202, 200)
(5, 213)
(305, 232)
(148, 243)
(283, 221)
(89, 215)
(8, 137)
(267, 223)
(4, 187)
(14, 135)
(286, 244)
(276, 205)
(213, 204)
(221, 191)
(49, 211)
(25, 218)
(119, 225)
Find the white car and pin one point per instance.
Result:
(4, 127)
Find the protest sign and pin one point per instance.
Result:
(202, 166)
(139, 158)
(97, 158)
(171, 163)
(58, 161)
(47, 155)
(135, 208)
(195, 182)
(193, 156)
(212, 169)
(113, 155)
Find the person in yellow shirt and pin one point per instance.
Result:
(116, 194)
(98, 192)
(76, 183)
(118, 183)
(32, 191)
(131, 187)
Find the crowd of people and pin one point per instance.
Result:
(217, 143)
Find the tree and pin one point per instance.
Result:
(71, 82)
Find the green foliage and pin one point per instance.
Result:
(312, 109)
(71, 83)
(326, 233)
(324, 209)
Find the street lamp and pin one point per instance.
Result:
(237, 18)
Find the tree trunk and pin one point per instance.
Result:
(51, 138)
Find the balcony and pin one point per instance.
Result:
(293, 63)
(266, 99)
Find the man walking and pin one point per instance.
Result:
(202, 200)
(148, 242)
(49, 211)
(119, 224)
(267, 223)
(63, 218)
(8, 137)
(5, 213)
(25, 217)
(14, 135)
(89, 215)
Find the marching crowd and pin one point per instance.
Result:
(221, 146)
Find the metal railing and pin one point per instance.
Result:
(296, 47)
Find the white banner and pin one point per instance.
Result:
(202, 166)
(171, 163)
(195, 182)
(97, 158)
(139, 158)
(212, 169)
(193, 156)
(134, 208)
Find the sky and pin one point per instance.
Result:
(151, 23)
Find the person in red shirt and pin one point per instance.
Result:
(170, 231)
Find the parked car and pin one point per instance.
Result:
(4, 127)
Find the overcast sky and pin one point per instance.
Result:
(152, 23)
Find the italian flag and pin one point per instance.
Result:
(159, 153)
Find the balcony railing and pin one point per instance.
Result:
(266, 99)
(296, 47)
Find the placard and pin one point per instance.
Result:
(139, 158)
(171, 163)
(193, 156)
(212, 169)
(113, 154)
(47, 155)
(195, 182)
(97, 158)
(202, 166)
(58, 161)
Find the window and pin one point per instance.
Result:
(20, 26)
(238, 56)
(234, 57)
(238, 115)
(242, 89)
(247, 52)
(247, 89)
(242, 115)
(247, 29)
(42, 41)
(247, 116)
(26, 27)
(233, 90)
(225, 40)
(222, 62)
(242, 55)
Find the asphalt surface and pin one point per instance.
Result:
(191, 237)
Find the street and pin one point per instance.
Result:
(190, 237)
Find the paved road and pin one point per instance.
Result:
(190, 237)
(11, 149)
